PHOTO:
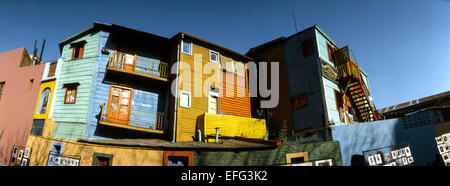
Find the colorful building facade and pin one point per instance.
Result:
(20, 77)
(114, 83)
(320, 85)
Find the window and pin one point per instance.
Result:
(78, 49)
(57, 148)
(186, 47)
(213, 56)
(299, 102)
(38, 127)
(176, 158)
(300, 157)
(185, 99)
(71, 93)
(339, 104)
(44, 100)
(2, 84)
(330, 50)
(52, 70)
(102, 159)
(307, 47)
(31, 83)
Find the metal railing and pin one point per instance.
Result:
(137, 64)
(139, 117)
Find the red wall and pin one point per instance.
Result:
(18, 101)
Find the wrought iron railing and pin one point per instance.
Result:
(137, 64)
(139, 117)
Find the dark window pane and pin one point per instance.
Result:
(38, 126)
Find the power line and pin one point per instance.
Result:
(295, 22)
(254, 20)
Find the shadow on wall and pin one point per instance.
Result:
(356, 138)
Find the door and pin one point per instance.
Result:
(213, 104)
(127, 55)
(119, 105)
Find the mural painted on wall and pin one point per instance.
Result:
(329, 72)
(396, 155)
(443, 145)
(20, 156)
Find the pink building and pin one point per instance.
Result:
(19, 88)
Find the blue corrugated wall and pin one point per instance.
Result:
(142, 99)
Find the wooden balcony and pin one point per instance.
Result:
(138, 65)
(347, 68)
(138, 119)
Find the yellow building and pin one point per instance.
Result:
(223, 97)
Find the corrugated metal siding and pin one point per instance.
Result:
(187, 117)
(141, 99)
(304, 78)
(71, 119)
(239, 103)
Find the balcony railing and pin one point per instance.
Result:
(139, 119)
(346, 66)
(138, 65)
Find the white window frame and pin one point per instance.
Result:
(218, 55)
(190, 46)
(189, 101)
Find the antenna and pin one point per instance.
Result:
(295, 22)
(35, 49)
(42, 51)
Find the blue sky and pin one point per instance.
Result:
(403, 45)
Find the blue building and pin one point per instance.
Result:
(319, 84)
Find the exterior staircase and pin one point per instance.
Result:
(353, 86)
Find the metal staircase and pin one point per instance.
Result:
(353, 86)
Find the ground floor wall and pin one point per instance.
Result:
(269, 157)
(121, 156)
(416, 130)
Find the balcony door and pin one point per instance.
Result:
(126, 56)
(119, 105)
